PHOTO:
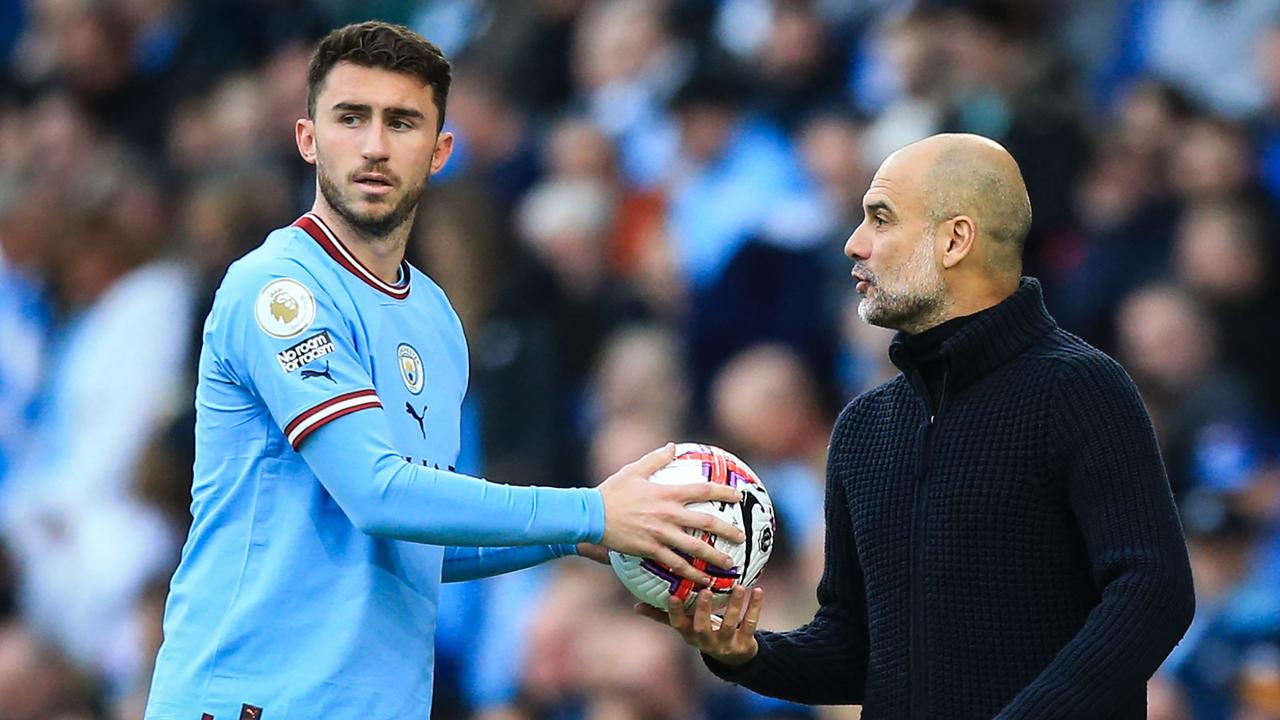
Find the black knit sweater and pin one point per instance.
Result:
(1016, 555)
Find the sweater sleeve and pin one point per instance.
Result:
(825, 661)
(1120, 496)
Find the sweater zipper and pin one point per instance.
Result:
(919, 511)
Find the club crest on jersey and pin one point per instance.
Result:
(284, 308)
(410, 367)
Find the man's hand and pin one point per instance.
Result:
(649, 520)
(592, 551)
(730, 640)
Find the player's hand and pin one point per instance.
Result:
(649, 520)
(593, 551)
(730, 640)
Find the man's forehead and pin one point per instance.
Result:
(897, 179)
(350, 83)
(883, 189)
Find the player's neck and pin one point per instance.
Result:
(382, 254)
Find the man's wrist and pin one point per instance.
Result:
(733, 671)
(594, 500)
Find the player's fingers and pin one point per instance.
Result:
(653, 461)
(751, 621)
(681, 566)
(592, 551)
(716, 623)
(677, 616)
(695, 547)
(712, 524)
(651, 612)
(702, 613)
(732, 613)
(704, 492)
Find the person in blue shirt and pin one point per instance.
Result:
(326, 510)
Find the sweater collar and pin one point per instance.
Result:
(989, 339)
(925, 347)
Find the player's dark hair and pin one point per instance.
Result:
(381, 45)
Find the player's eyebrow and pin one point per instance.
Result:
(364, 109)
(353, 107)
(404, 113)
(879, 205)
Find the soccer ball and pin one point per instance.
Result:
(652, 582)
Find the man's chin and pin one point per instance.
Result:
(371, 211)
(366, 204)
(867, 311)
(872, 314)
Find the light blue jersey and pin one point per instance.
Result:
(326, 510)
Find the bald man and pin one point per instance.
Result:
(1000, 536)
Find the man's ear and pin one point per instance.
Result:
(958, 235)
(443, 149)
(304, 133)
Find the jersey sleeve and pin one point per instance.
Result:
(285, 338)
(270, 329)
(472, 563)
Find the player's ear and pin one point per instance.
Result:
(443, 149)
(957, 235)
(304, 132)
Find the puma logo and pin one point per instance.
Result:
(308, 374)
(413, 413)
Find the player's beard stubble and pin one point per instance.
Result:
(919, 297)
(369, 225)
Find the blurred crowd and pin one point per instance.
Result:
(641, 230)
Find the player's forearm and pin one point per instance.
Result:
(386, 496)
(472, 563)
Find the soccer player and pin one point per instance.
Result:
(326, 509)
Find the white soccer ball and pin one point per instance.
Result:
(653, 583)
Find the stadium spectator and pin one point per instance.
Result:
(1223, 255)
(38, 682)
(627, 64)
(1225, 35)
(25, 315)
(84, 545)
(1199, 408)
(916, 60)
(766, 405)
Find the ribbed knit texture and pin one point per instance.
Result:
(1035, 558)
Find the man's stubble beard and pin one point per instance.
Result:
(367, 227)
(918, 304)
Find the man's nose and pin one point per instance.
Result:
(375, 143)
(857, 247)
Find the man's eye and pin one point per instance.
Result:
(400, 125)
(350, 120)
(879, 221)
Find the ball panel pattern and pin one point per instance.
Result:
(653, 582)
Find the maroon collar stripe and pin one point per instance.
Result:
(315, 227)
